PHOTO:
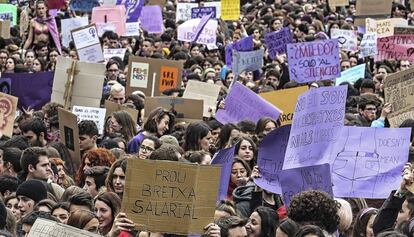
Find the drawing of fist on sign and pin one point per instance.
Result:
(8, 105)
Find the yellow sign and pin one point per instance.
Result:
(230, 10)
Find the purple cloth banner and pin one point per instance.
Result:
(199, 12)
(243, 45)
(242, 103)
(151, 19)
(312, 61)
(225, 158)
(133, 9)
(294, 181)
(367, 162)
(319, 117)
(32, 89)
(270, 159)
(276, 41)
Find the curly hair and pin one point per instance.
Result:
(316, 208)
(97, 157)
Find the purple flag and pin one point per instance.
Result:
(225, 158)
(294, 181)
(276, 41)
(319, 117)
(312, 61)
(151, 19)
(32, 89)
(243, 45)
(201, 25)
(242, 103)
(367, 162)
(199, 12)
(133, 9)
(270, 159)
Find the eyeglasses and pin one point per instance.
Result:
(146, 148)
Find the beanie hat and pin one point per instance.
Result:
(3, 215)
(33, 189)
(168, 139)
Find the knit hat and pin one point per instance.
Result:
(33, 189)
(168, 139)
(3, 215)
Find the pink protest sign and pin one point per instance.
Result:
(398, 47)
(114, 15)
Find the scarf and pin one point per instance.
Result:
(53, 30)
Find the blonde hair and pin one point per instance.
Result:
(345, 215)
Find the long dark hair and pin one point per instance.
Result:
(270, 221)
(155, 117)
(194, 132)
(361, 221)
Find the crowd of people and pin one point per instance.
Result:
(39, 177)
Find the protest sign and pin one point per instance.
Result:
(118, 52)
(133, 9)
(114, 107)
(294, 181)
(319, 116)
(87, 44)
(203, 91)
(399, 91)
(384, 28)
(270, 159)
(217, 5)
(153, 76)
(198, 12)
(8, 106)
(230, 10)
(372, 9)
(89, 113)
(160, 3)
(247, 61)
(70, 24)
(368, 45)
(404, 30)
(8, 12)
(187, 31)
(347, 39)
(69, 134)
(183, 108)
(55, 4)
(276, 41)
(242, 103)
(398, 47)
(311, 61)
(338, 3)
(132, 29)
(183, 12)
(83, 5)
(114, 16)
(186, 203)
(224, 157)
(284, 100)
(49, 228)
(78, 83)
(243, 45)
(352, 75)
(151, 19)
(32, 89)
(367, 162)
(5, 29)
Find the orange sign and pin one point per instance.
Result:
(168, 78)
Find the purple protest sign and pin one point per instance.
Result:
(225, 158)
(270, 159)
(316, 60)
(151, 19)
(242, 104)
(201, 25)
(133, 9)
(367, 162)
(276, 41)
(243, 45)
(294, 181)
(199, 12)
(319, 117)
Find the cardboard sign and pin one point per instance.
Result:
(153, 76)
(8, 106)
(5, 29)
(83, 5)
(170, 197)
(183, 108)
(187, 32)
(114, 107)
(338, 3)
(398, 47)
(88, 113)
(70, 24)
(230, 10)
(198, 12)
(373, 9)
(368, 45)
(311, 61)
(114, 15)
(347, 39)
(399, 91)
(352, 75)
(250, 61)
(151, 19)
(109, 53)
(384, 28)
(276, 41)
(69, 133)
(284, 100)
(87, 44)
(203, 91)
(183, 12)
(86, 89)
(8, 12)
(49, 228)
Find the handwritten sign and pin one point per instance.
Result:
(270, 159)
(250, 61)
(69, 133)
(311, 61)
(70, 24)
(5, 29)
(184, 11)
(319, 116)
(198, 12)
(170, 197)
(187, 31)
(87, 44)
(284, 100)
(242, 104)
(384, 28)
(184, 109)
(368, 45)
(151, 19)
(203, 91)
(49, 228)
(89, 113)
(224, 158)
(230, 10)
(133, 9)
(352, 75)
(8, 12)
(118, 52)
(243, 45)
(347, 39)
(276, 41)
(8, 106)
(294, 181)
(169, 78)
(132, 29)
(83, 5)
(399, 91)
(398, 47)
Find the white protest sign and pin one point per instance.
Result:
(90, 113)
(49, 228)
(87, 44)
(186, 31)
(131, 29)
(68, 25)
(368, 45)
(184, 11)
(103, 27)
(384, 28)
(203, 91)
(109, 53)
(347, 39)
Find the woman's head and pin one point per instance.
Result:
(84, 220)
(246, 149)
(240, 172)
(39, 65)
(199, 157)
(364, 221)
(41, 9)
(197, 137)
(345, 215)
(228, 132)
(96, 157)
(148, 145)
(407, 210)
(310, 231)
(61, 212)
(263, 222)
(53, 55)
(115, 180)
(29, 56)
(12, 203)
(265, 125)
(159, 122)
(11, 64)
(122, 122)
(107, 206)
(225, 208)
